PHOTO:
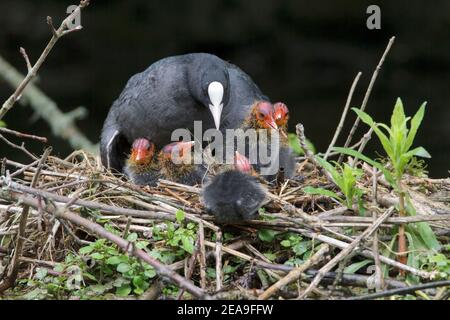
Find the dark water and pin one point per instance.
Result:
(301, 52)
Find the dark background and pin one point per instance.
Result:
(305, 53)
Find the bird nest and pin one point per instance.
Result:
(58, 206)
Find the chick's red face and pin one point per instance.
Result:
(177, 150)
(142, 151)
(264, 115)
(280, 114)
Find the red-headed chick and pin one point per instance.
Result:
(177, 164)
(261, 117)
(141, 166)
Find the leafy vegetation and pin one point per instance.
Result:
(345, 178)
(397, 141)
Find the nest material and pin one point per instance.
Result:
(80, 184)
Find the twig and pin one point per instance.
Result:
(367, 95)
(21, 147)
(343, 116)
(23, 135)
(14, 271)
(61, 124)
(341, 255)
(402, 291)
(32, 71)
(97, 229)
(365, 253)
(300, 130)
(202, 258)
(379, 283)
(218, 255)
(294, 274)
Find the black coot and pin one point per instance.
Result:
(172, 93)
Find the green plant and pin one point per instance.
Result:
(301, 248)
(345, 178)
(295, 145)
(397, 141)
(179, 238)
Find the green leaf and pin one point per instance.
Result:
(415, 123)
(285, 243)
(301, 248)
(150, 273)
(41, 273)
(356, 266)
(295, 145)
(86, 250)
(428, 236)
(179, 215)
(419, 152)
(114, 260)
(398, 119)
(267, 235)
(322, 191)
(188, 244)
(2, 124)
(138, 281)
(132, 237)
(124, 290)
(381, 136)
(377, 165)
(123, 267)
(97, 256)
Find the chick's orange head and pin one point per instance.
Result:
(142, 151)
(280, 114)
(263, 113)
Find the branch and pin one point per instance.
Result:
(294, 274)
(32, 71)
(367, 95)
(62, 125)
(98, 230)
(344, 115)
(14, 271)
(348, 250)
(402, 291)
(23, 135)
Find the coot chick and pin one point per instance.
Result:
(176, 163)
(141, 166)
(234, 196)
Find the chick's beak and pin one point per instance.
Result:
(271, 122)
(242, 163)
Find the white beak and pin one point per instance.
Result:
(215, 93)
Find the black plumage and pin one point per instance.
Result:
(172, 93)
(233, 196)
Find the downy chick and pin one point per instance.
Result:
(234, 196)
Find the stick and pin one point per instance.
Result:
(32, 71)
(341, 255)
(14, 271)
(343, 116)
(202, 258)
(295, 274)
(367, 95)
(23, 135)
(218, 255)
(97, 229)
(402, 291)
